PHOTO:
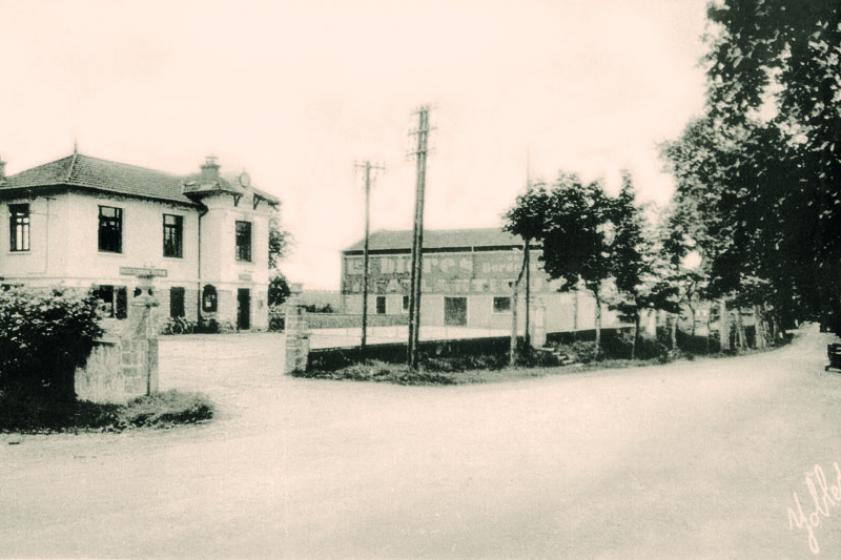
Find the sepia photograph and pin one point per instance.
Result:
(405, 279)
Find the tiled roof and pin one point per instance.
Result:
(83, 171)
(384, 240)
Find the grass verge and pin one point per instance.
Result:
(159, 411)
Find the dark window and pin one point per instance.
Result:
(244, 241)
(176, 302)
(19, 227)
(380, 305)
(502, 304)
(114, 301)
(208, 298)
(173, 235)
(405, 303)
(110, 229)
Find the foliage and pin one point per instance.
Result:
(278, 289)
(277, 318)
(212, 326)
(762, 167)
(178, 325)
(572, 221)
(280, 240)
(161, 410)
(315, 308)
(44, 336)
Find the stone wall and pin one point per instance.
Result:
(124, 365)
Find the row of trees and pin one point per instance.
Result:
(606, 246)
(759, 173)
(758, 188)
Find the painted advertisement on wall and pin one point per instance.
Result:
(443, 273)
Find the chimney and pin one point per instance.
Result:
(2, 171)
(210, 170)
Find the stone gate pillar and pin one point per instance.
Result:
(139, 339)
(538, 339)
(296, 333)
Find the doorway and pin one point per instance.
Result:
(243, 309)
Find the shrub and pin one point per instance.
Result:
(44, 336)
(277, 318)
(163, 410)
(178, 325)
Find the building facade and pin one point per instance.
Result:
(466, 282)
(86, 222)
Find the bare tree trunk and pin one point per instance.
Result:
(724, 326)
(693, 318)
(740, 330)
(598, 325)
(759, 327)
(636, 334)
(673, 331)
(512, 353)
(709, 329)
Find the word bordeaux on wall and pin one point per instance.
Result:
(462, 273)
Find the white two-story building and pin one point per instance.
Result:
(87, 222)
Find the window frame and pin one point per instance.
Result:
(239, 249)
(117, 307)
(106, 222)
(384, 301)
(176, 229)
(503, 311)
(20, 222)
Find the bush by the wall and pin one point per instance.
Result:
(44, 336)
(178, 325)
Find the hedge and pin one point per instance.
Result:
(44, 336)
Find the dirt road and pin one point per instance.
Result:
(689, 460)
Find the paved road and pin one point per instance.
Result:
(691, 460)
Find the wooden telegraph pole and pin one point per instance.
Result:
(367, 166)
(421, 150)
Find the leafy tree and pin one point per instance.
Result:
(631, 258)
(576, 239)
(278, 289)
(279, 240)
(527, 219)
(783, 54)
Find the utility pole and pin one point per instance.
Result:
(421, 150)
(365, 266)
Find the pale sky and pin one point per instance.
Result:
(296, 92)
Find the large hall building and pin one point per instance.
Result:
(466, 281)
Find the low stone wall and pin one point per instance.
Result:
(124, 365)
(118, 371)
(341, 320)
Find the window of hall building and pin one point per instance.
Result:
(19, 225)
(502, 304)
(173, 235)
(380, 305)
(243, 241)
(405, 304)
(114, 301)
(110, 229)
